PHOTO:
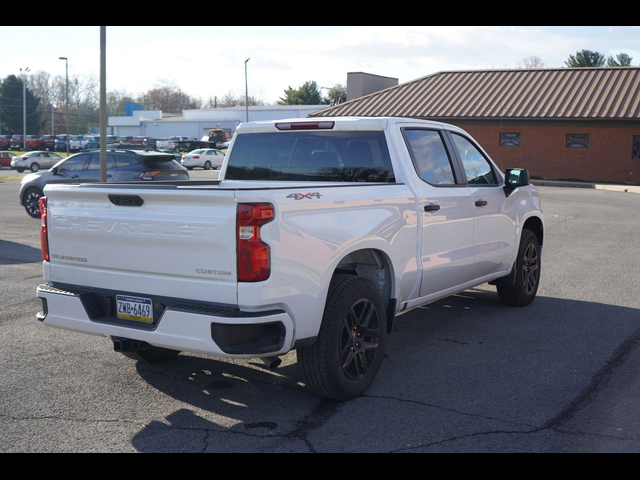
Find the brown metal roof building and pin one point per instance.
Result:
(565, 123)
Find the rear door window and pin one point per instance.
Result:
(94, 164)
(430, 156)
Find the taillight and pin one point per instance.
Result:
(44, 238)
(254, 256)
(148, 175)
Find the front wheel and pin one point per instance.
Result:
(32, 202)
(528, 265)
(345, 360)
(34, 167)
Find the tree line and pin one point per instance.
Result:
(46, 102)
(46, 97)
(583, 59)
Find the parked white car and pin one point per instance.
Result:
(34, 161)
(319, 233)
(206, 158)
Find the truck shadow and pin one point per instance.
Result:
(12, 253)
(468, 354)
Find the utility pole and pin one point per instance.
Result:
(67, 95)
(103, 104)
(246, 87)
(24, 108)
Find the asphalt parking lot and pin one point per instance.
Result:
(465, 374)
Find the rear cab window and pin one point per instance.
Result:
(335, 156)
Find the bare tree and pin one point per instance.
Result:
(531, 62)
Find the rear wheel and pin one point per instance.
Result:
(528, 264)
(345, 360)
(207, 165)
(34, 167)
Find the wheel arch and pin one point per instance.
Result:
(376, 266)
(536, 225)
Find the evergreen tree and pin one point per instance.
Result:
(586, 58)
(621, 60)
(11, 108)
(307, 94)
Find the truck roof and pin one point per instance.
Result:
(335, 123)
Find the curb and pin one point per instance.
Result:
(596, 186)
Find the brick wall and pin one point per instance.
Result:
(542, 150)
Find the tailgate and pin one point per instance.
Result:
(164, 240)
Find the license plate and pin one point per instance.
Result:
(135, 308)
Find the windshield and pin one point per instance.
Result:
(311, 156)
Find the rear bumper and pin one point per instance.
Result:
(205, 329)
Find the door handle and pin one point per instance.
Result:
(433, 207)
(481, 203)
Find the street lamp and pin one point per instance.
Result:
(24, 107)
(67, 96)
(246, 86)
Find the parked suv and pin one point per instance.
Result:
(122, 166)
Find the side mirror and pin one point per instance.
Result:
(515, 178)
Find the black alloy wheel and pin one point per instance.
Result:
(530, 269)
(527, 278)
(359, 340)
(32, 202)
(345, 359)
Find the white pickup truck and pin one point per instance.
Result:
(319, 233)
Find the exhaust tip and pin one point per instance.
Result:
(272, 362)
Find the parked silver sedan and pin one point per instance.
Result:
(34, 161)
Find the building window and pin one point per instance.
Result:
(577, 141)
(509, 139)
(636, 148)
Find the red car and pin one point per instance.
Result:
(5, 142)
(5, 159)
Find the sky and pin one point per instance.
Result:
(208, 61)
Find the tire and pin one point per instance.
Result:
(528, 265)
(345, 360)
(152, 354)
(32, 202)
(207, 165)
(20, 170)
(34, 167)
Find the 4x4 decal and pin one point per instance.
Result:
(305, 196)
